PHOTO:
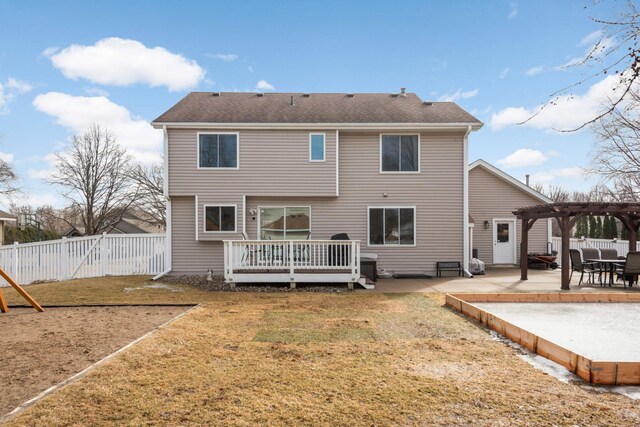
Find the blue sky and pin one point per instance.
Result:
(66, 64)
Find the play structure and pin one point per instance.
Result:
(4, 308)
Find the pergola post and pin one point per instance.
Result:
(524, 247)
(565, 228)
(633, 236)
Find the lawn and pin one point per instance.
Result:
(312, 359)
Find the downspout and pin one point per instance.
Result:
(165, 191)
(465, 204)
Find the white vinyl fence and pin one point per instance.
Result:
(81, 257)
(622, 246)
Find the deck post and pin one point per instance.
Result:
(292, 276)
(292, 285)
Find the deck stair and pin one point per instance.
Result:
(366, 283)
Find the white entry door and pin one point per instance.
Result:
(504, 241)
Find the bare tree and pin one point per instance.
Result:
(616, 158)
(617, 53)
(94, 174)
(555, 192)
(150, 201)
(8, 180)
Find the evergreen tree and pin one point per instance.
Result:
(582, 227)
(599, 229)
(592, 227)
(613, 228)
(624, 234)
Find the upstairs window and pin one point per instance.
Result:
(399, 153)
(218, 150)
(316, 147)
(219, 218)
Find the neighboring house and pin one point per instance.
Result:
(127, 225)
(5, 217)
(387, 169)
(493, 196)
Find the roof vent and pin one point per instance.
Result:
(403, 91)
(394, 95)
(350, 95)
(215, 94)
(293, 102)
(260, 95)
(306, 95)
(427, 103)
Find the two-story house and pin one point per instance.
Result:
(387, 169)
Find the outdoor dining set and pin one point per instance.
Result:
(606, 264)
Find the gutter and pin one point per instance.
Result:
(465, 204)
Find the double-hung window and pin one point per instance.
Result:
(399, 153)
(392, 226)
(218, 150)
(219, 218)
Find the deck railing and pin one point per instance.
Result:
(294, 257)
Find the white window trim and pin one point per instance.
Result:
(399, 172)
(237, 134)
(324, 147)
(396, 245)
(259, 227)
(219, 205)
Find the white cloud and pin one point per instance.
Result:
(227, 57)
(19, 86)
(123, 62)
(9, 90)
(7, 157)
(533, 71)
(40, 199)
(50, 51)
(523, 157)
(250, 68)
(513, 10)
(547, 177)
(40, 173)
(77, 113)
(458, 95)
(95, 91)
(566, 112)
(264, 85)
(504, 73)
(50, 159)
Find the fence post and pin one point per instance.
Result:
(16, 264)
(103, 255)
(64, 260)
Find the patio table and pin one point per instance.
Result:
(610, 266)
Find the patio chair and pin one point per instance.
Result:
(577, 265)
(594, 253)
(608, 253)
(631, 269)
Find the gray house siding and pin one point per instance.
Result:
(491, 197)
(279, 174)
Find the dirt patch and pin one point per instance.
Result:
(41, 349)
(217, 283)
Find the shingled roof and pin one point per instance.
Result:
(314, 108)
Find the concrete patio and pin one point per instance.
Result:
(495, 280)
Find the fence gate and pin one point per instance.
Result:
(83, 257)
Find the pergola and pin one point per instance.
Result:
(567, 214)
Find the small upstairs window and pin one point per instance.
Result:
(316, 147)
(399, 153)
(218, 150)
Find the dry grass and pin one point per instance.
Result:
(317, 359)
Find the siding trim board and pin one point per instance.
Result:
(314, 126)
